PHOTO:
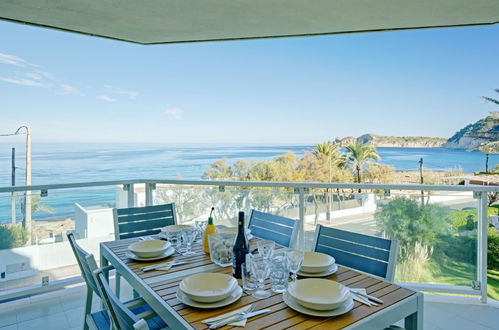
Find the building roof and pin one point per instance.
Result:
(174, 21)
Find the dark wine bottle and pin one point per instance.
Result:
(240, 248)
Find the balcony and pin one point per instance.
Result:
(40, 280)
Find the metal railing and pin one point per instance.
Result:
(301, 189)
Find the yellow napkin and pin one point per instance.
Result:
(241, 323)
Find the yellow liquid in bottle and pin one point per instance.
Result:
(210, 229)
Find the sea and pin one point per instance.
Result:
(54, 163)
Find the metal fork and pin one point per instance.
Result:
(251, 309)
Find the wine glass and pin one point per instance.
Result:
(266, 249)
(261, 270)
(188, 237)
(295, 260)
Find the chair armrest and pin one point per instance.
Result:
(140, 325)
(107, 268)
(134, 303)
(147, 314)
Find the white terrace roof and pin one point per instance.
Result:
(171, 21)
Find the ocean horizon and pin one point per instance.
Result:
(55, 163)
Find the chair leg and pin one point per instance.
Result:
(118, 278)
(88, 308)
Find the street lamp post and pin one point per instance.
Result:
(27, 196)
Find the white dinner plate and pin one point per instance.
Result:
(235, 295)
(344, 308)
(330, 271)
(167, 253)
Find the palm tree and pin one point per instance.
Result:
(331, 151)
(491, 147)
(36, 205)
(490, 99)
(358, 154)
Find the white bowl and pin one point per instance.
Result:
(149, 248)
(174, 228)
(316, 262)
(208, 287)
(319, 294)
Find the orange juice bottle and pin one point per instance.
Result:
(210, 229)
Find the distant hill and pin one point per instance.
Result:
(485, 131)
(394, 141)
(482, 134)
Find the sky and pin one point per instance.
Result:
(76, 88)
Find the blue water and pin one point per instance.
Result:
(66, 163)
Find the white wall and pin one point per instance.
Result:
(46, 257)
(368, 205)
(93, 222)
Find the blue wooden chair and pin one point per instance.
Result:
(272, 227)
(369, 254)
(141, 221)
(87, 264)
(121, 316)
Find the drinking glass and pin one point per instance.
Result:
(200, 226)
(172, 237)
(261, 270)
(279, 273)
(295, 260)
(175, 237)
(248, 277)
(266, 249)
(188, 237)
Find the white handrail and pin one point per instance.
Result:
(262, 184)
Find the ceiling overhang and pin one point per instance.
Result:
(175, 21)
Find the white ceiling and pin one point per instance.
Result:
(170, 21)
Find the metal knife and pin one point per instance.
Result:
(367, 296)
(153, 267)
(238, 318)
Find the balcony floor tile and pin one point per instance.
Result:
(8, 316)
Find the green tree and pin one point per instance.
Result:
(12, 236)
(358, 154)
(410, 222)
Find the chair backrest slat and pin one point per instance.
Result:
(265, 234)
(279, 229)
(369, 254)
(86, 262)
(144, 209)
(121, 316)
(128, 227)
(142, 221)
(355, 248)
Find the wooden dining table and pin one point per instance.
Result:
(158, 288)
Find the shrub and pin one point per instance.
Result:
(413, 264)
(379, 173)
(410, 222)
(493, 249)
(12, 236)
